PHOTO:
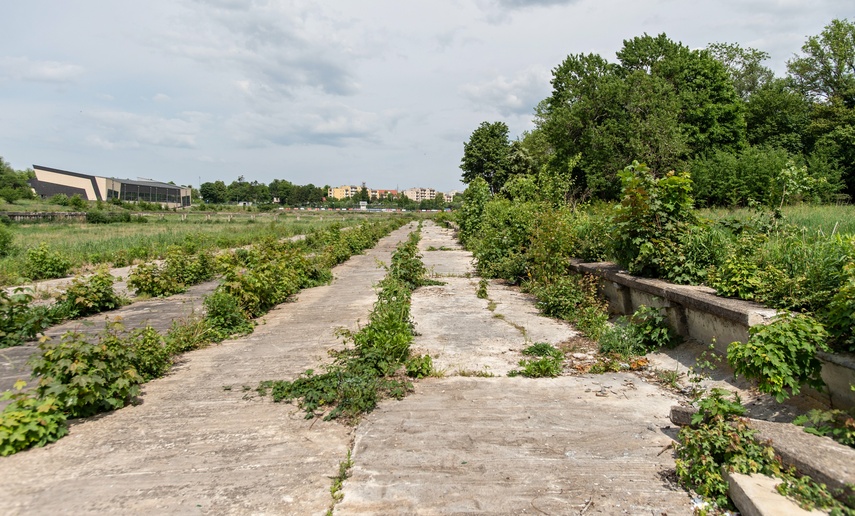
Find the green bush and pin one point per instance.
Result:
(839, 315)
(180, 269)
(652, 218)
(29, 422)
(503, 238)
(19, 320)
(6, 238)
(44, 263)
(781, 356)
(224, 316)
(188, 334)
(87, 375)
(102, 217)
(419, 366)
(152, 358)
(574, 298)
(91, 295)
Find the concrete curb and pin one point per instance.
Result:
(755, 495)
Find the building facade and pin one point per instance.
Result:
(343, 192)
(420, 194)
(52, 181)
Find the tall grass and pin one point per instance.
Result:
(121, 244)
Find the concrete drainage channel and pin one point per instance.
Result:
(469, 441)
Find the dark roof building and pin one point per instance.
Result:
(52, 181)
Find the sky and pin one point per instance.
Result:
(384, 92)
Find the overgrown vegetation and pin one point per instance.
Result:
(720, 439)
(80, 375)
(374, 367)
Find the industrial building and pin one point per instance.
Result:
(52, 181)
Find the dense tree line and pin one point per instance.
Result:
(743, 134)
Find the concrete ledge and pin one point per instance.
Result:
(755, 495)
(821, 458)
(698, 313)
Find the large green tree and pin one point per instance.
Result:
(744, 65)
(486, 155)
(214, 192)
(826, 74)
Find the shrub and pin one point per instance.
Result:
(188, 334)
(6, 238)
(837, 424)
(224, 316)
(650, 221)
(781, 356)
(503, 238)
(29, 422)
(151, 356)
(839, 315)
(419, 366)
(44, 263)
(87, 375)
(573, 298)
(19, 320)
(92, 295)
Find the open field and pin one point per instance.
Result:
(119, 244)
(819, 219)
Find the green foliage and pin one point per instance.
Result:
(90, 295)
(837, 424)
(77, 203)
(645, 331)
(360, 376)
(574, 298)
(486, 155)
(192, 332)
(182, 267)
(719, 439)
(45, 263)
(106, 217)
(839, 315)
(548, 364)
(6, 239)
(152, 358)
(781, 356)
(19, 320)
(87, 375)
(650, 221)
(481, 292)
(420, 366)
(224, 316)
(29, 422)
(475, 199)
(500, 247)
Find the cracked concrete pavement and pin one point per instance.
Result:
(201, 443)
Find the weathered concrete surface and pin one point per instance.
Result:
(755, 495)
(517, 446)
(195, 445)
(158, 313)
(592, 444)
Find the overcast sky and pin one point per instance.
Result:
(334, 92)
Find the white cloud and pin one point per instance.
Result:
(122, 129)
(161, 97)
(25, 69)
(517, 95)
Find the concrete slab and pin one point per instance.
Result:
(199, 443)
(517, 446)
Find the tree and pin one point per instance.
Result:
(13, 184)
(826, 75)
(485, 155)
(777, 115)
(214, 193)
(744, 67)
(827, 70)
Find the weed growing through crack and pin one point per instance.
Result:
(547, 364)
(338, 482)
(477, 373)
(481, 293)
